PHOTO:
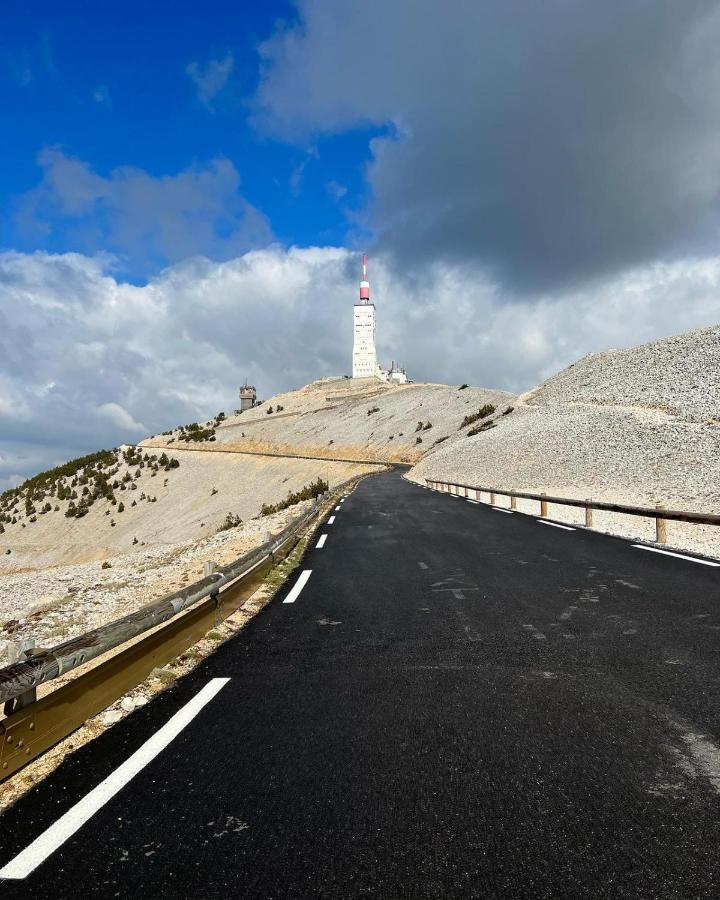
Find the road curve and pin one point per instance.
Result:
(444, 701)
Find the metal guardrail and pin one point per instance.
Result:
(659, 513)
(33, 726)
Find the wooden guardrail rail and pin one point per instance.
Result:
(659, 513)
(32, 726)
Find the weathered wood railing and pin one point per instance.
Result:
(658, 513)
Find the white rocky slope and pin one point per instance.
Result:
(640, 426)
(349, 418)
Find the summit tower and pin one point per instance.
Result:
(364, 357)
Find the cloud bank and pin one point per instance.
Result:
(92, 361)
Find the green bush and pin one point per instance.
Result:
(482, 413)
(231, 521)
(307, 493)
(486, 426)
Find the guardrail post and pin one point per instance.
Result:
(209, 568)
(17, 651)
(588, 513)
(543, 506)
(492, 498)
(660, 527)
(513, 501)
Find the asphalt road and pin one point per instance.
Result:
(459, 702)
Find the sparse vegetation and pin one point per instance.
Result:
(418, 440)
(315, 489)
(440, 440)
(487, 410)
(106, 565)
(232, 520)
(508, 410)
(373, 409)
(462, 387)
(486, 426)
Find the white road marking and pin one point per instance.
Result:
(321, 543)
(477, 502)
(55, 836)
(555, 525)
(422, 565)
(299, 585)
(331, 520)
(500, 509)
(337, 507)
(703, 562)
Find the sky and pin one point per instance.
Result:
(185, 193)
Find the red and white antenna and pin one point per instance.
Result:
(364, 284)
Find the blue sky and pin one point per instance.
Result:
(185, 191)
(111, 85)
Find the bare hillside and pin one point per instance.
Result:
(639, 426)
(350, 418)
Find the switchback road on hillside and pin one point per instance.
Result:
(445, 700)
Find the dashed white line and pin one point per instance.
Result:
(702, 562)
(476, 502)
(500, 509)
(55, 836)
(299, 585)
(337, 507)
(331, 520)
(422, 565)
(555, 525)
(321, 543)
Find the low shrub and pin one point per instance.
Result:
(487, 410)
(486, 426)
(231, 521)
(314, 489)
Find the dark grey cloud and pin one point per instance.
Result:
(547, 143)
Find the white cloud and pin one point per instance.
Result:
(210, 79)
(88, 361)
(120, 417)
(101, 95)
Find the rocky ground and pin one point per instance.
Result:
(351, 418)
(55, 604)
(638, 426)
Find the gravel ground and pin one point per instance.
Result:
(333, 418)
(56, 604)
(635, 426)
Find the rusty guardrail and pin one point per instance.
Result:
(32, 726)
(659, 513)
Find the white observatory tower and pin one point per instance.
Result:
(364, 359)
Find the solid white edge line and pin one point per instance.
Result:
(299, 585)
(337, 507)
(702, 562)
(55, 836)
(500, 509)
(555, 525)
(331, 520)
(473, 501)
(321, 542)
